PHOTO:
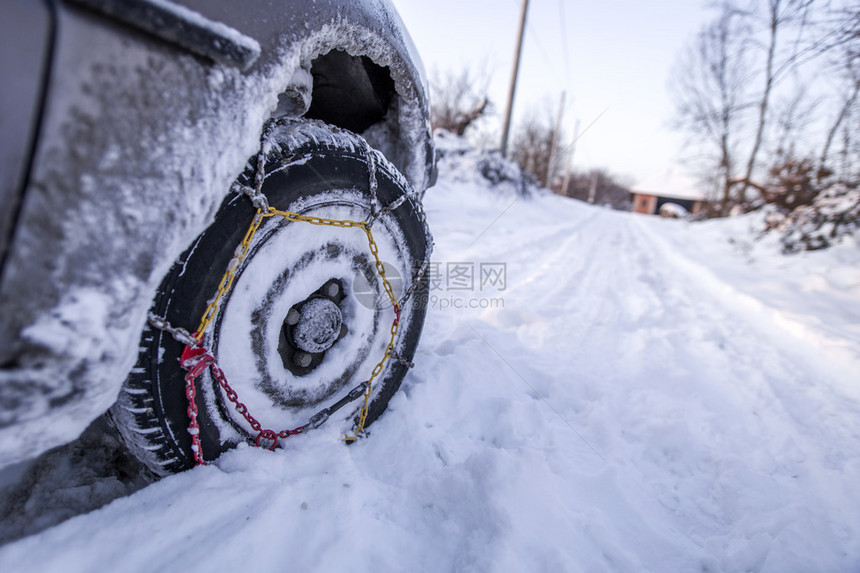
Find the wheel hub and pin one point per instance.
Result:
(312, 327)
(318, 326)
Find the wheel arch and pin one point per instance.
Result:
(385, 88)
(301, 35)
(362, 46)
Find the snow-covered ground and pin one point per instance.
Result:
(611, 393)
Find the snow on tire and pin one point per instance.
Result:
(307, 317)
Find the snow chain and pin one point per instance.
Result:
(196, 359)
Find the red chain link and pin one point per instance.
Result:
(196, 360)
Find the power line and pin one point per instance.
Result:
(548, 60)
(584, 131)
(564, 45)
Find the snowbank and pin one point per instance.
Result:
(594, 391)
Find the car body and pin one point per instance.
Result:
(124, 125)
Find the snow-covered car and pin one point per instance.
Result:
(673, 211)
(212, 226)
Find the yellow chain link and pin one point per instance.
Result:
(242, 251)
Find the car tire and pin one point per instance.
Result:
(290, 267)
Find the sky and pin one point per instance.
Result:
(613, 58)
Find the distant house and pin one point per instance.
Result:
(671, 187)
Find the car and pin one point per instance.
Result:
(212, 229)
(673, 211)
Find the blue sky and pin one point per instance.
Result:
(613, 57)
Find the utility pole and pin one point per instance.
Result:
(592, 189)
(554, 145)
(516, 72)
(569, 161)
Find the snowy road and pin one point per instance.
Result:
(629, 395)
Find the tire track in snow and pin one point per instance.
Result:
(785, 412)
(707, 416)
(626, 292)
(828, 361)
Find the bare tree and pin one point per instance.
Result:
(599, 187)
(458, 100)
(791, 117)
(710, 88)
(847, 40)
(779, 15)
(847, 111)
(733, 99)
(532, 145)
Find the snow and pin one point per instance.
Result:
(319, 325)
(643, 395)
(673, 210)
(216, 28)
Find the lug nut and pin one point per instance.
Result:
(302, 359)
(332, 289)
(293, 317)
